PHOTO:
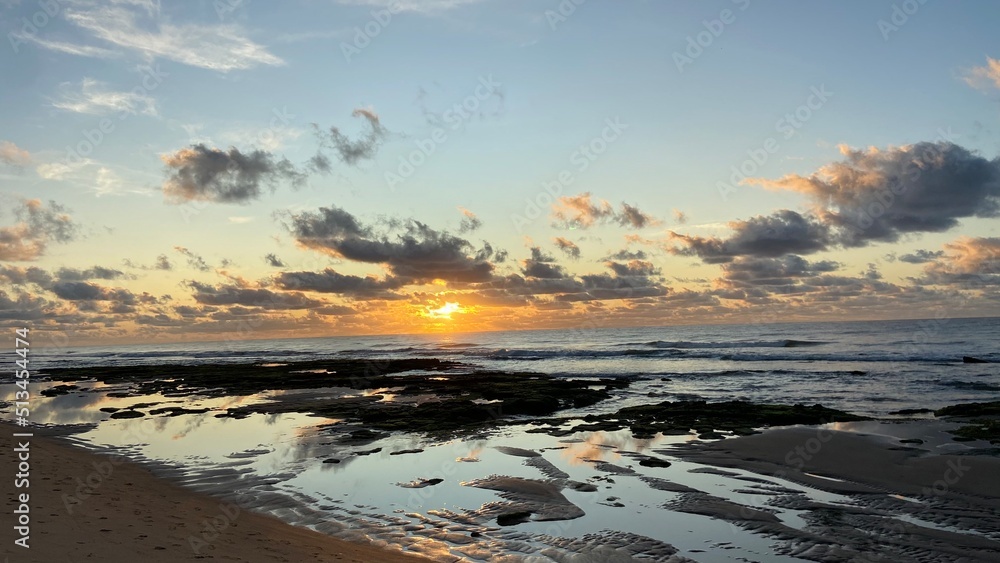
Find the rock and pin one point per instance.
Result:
(970, 409)
(654, 462)
(127, 414)
(971, 360)
(912, 411)
(912, 441)
(401, 452)
(513, 518)
(331, 460)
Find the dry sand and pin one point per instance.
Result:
(132, 516)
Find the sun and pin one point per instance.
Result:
(445, 311)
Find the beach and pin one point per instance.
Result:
(720, 445)
(130, 515)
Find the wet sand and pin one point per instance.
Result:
(127, 514)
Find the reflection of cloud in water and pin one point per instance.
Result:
(605, 446)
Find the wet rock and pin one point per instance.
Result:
(331, 460)
(970, 409)
(971, 360)
(654, 462)
(403, 452)
(58, 390)
(911, 411)
(127, 414)
(420, 483)
(177, 411)
(513, 518)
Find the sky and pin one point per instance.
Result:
(241, 169)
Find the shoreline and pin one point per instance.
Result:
(130, 514)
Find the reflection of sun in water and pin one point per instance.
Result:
(445, 311)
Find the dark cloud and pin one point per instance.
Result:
(469, 221)
(351, 152)
(542, 265)
(785, 270)
(23, 307)
(232, 294)
(921, 256)
(24, 276)
(878, 195)
(195, 261)
(783, 232)
(412, 250)
(626, 254)
(632, 216)
(36, 227)
(85, 291)
(95, 273)
(200, 173)
(568, 247)
(331, 281)
(273, 260)
(162, 263)
(580, 211)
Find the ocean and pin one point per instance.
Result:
(870, 367)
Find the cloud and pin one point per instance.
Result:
(680, 217)
(783, 232)
(568, 247)
(580, 212)
(273, 261)
(417, 6)
(921, 256)
(195, 261)
(85, 291)
(411, 249)
(542, 265)
(469, 221)
(23, 276)
(350, 152)
(222, 48)
(235, 294)
(36, 227)
(13, 155)
(162, 263)
(755, 271)
(94, 98)
(59, 170)
(968, 262)
(199, 173)
(94, 273)
(878, 195)
(626, 254)
(331, 281)
(984, 77)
